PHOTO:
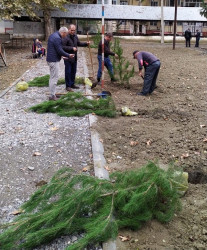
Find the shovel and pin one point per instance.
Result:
(103, 94)
(90, 57)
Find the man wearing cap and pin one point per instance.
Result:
(107, 62)
(151, 65)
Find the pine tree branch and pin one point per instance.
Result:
(74, 203)
(126, 189)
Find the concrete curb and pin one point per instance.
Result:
(98, 157)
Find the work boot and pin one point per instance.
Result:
(74, 86)
(69, 89)
(140, 93)
(113, 79)
(94, 84)
(53, 98)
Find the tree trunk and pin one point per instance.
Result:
(48, 24)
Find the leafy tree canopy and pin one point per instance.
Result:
(12, 8)
(203, 11)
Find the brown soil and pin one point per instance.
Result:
(18, 61)
(170, 127)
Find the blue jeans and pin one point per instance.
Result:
(197, 41)
(70, 72)
(150, 77)
(107, 64)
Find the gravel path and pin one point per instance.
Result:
(34, 146)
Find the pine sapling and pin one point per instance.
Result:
(120, 65)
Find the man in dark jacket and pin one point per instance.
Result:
(151, 65)
(54, 53)
(187, 37)
(198, 36)
(70, 45)
(107, 62)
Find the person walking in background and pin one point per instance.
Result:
(54, 53)
(107, 62)
(151, 65)
(198, 36)
(187, 37)
(70, 45)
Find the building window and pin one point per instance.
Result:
(100, 2)
(114, 2)
(168, 23)
(123, 22)
(192, 3)
(154, 3)
(170, 3)
(123, 3)
(153, 23)
(179, 23)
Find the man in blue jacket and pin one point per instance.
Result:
(151, 64)
(198, 36)
(70, 45)
(54, 54)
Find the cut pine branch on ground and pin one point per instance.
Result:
(43, 81)
(72, 203)
(75, 104)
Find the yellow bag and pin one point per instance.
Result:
(180, 182)
(127, 112)
(22, 86)
(88, 81)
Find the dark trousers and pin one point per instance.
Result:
(150, 77)
(107, 64)
(187, 42)
(197, 41)
(70, 72)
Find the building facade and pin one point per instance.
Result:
(122, 17)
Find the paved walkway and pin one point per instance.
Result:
(34, 146)
(61, 141)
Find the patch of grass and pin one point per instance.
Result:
(75, 104)
(43, 81)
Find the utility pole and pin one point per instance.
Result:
(162, 23)
(175, 23)
(102, 31)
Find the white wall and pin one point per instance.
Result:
(8, 25)
(129, 12)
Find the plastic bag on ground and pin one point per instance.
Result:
(22, 86)
(127, 112)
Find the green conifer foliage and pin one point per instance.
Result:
(75, 104)
(43, 81)
(96, 40)
(120, 65)
(72, 203)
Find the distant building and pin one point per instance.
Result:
(126, 17)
